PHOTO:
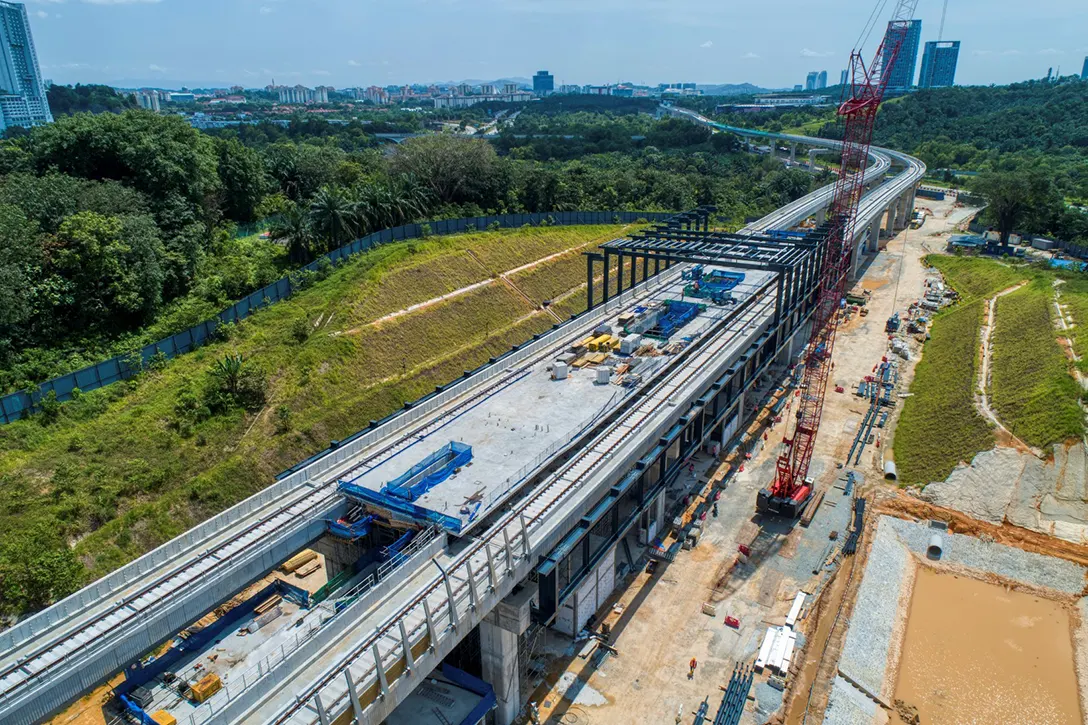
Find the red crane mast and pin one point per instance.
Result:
(791, 489)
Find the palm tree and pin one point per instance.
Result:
(332, 216)
(385, 204)
(228, 371)
(292, 227)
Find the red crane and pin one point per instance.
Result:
(791, 488)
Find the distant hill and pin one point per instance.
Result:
(64, 100)
(730, 89)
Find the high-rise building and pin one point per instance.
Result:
(821, 80)
(902, 74)
(22, 94)
(844, 77)
(543, 83)
(149, 100)
(939, 64)
(1084, 73)
(810, 82)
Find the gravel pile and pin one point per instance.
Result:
(768, 699)
(847, 706)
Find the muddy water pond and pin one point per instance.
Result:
(977, 653)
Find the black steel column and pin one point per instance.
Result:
(780, 297)
(619, 274)
(607, 263)
(645, 267)
(589, 281)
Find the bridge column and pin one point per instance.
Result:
(821, 215)
(812, 159)
(793, 153)
(874, 236)
(906, 210)
(890, 225)
(499, 634)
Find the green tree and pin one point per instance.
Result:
(243, 179)
(112, 266)
(235, 383)
(1013, 197)
(163, 157)
(455, 170)
(20, 270)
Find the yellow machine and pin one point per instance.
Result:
(208, 686)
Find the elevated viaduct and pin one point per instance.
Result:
(564, 474)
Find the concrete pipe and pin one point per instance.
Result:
(935, 548)
(889, 471)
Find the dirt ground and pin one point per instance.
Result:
(658, 621)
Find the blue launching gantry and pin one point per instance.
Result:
(399, 495)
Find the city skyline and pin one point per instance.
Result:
(248, 42)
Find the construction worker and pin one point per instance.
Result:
(715, 509)
(693, 664)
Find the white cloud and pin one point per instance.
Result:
(265, 10)
(1049, 51)
(156, 68)
(807, 53)
(321, 73)
(707, 44)
(750, 56)
(42, 14)
(1012, 52)
(354, 63)
(982, 52)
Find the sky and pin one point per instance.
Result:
(363, 42)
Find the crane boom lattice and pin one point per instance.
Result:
(792, 488)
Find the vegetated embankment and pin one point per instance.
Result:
(127, 467)
(1033, 393)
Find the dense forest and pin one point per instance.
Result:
(121, 228)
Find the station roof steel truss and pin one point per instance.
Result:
(714, 247)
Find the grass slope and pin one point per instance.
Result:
(1033, 393)
(114, 477)
(975, 277)
(940, 425)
